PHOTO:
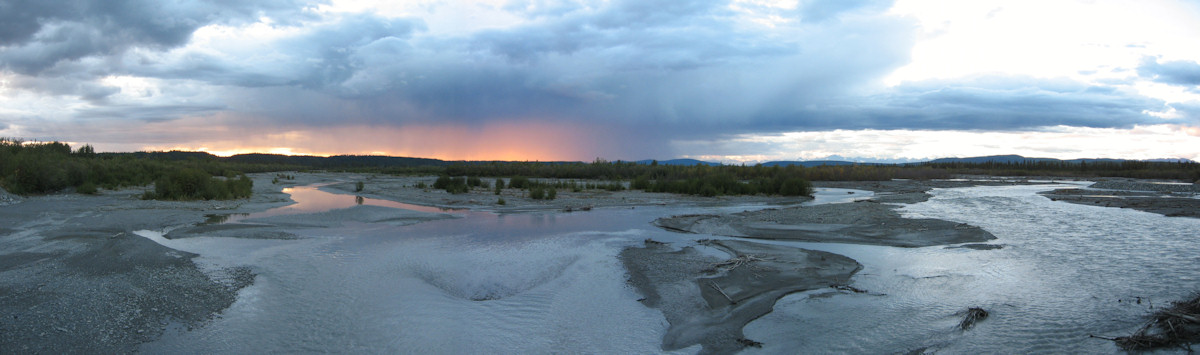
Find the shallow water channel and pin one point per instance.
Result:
(552, 283)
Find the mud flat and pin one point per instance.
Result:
(75, 279)
(708, 300)
(1171, 200)
(863, 222)
(873, 221)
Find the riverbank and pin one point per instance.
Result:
(1168, 199)
(75, 279)
(708, 301)
(864, 222)
(872, 221)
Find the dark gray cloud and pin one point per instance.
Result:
(145, 113)
(990, 103)
(36, 35)
(632, 63)
(322, 58)
(78, 85)
(649, 70)
(1011, 103)
(685, 68)
(1170, 72)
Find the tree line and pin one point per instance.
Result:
(46, 167)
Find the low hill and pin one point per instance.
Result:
(683, 162)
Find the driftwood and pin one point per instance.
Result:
(848, 288)
(739, 261)
(973, 315)
(749, 343)
(1174, 326)
(718, 288)
(581, 208)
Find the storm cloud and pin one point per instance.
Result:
(644, 69)
(36, 35)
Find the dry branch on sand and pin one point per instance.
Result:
(848, 288)
(733, 263)
(737, 262)
(1177, 325)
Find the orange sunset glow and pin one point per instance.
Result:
(509, 141)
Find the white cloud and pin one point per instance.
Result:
(1068, 38)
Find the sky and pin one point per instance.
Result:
(738, 81)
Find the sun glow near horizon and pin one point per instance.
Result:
(512, 141)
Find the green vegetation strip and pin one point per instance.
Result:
(39, 168)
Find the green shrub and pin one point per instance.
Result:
(501, 201)
(358, 186)
(519, 182)
(537, 193)
(499, 184)
(422, 185)
(551, 193)
(795, 187)
(87, 188)
(242, 187)
(451, 184)
(640, 183)
(194, 184)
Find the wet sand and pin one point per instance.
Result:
(872, 221)
(1171, 200)
(708, 300)
(75, 279)
(863, 222)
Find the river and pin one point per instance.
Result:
(552, 283)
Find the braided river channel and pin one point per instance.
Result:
(551, 282)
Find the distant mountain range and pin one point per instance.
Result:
(973, 160)
(812, 163)
(1019, 159)
(343, 161)
(685, 162)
